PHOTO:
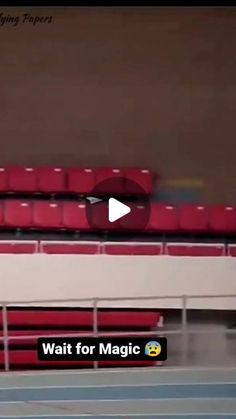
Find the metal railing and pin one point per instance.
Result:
(184, 329)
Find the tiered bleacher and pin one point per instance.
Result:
(53, 200)
(27, 324)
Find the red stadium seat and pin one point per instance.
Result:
(2, 221)
(232, 250)
(50, 179)
(194, 249)
(49, 318)
(118, 249)
(81, 181)
(18, 214)
(142, 177)
(1, 359)
(135, 220)
(60, 319)
(74, 216)
(125, 319)
(47, 215)
(3, 180)
(163, 218)
(194, 218)
(223, 219)
(75, 322)
(71, 248)
(109, 181)
(21, 179)
(99, 218)
(147, 249)
(18, 247)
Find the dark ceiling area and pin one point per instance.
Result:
(124, 87)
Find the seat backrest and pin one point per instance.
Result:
(21, 179)
(18, 213)
(109, 181)
(142, 177)
(163, 218)
(80, 181)
(74, 216)
(47, 214)
(3, 180)
(194, 218)
(51, 179)
(223, 219)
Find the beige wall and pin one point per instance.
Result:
(143, 87)
(47, 277)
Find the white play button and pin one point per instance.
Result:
(116, 210)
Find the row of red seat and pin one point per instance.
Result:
(57, 318)
(74, 180)
(73, 216)
(117, 248)
(22, 343)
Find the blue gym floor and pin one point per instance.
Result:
(151, 393)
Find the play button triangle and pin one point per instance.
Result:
(117, 210)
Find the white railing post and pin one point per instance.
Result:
(5, 337)
(95, 324)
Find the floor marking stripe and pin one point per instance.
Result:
(119, 370)
(119, 385)
(113, 400)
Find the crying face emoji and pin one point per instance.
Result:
(152, 348)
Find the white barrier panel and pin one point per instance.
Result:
(44, 277)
